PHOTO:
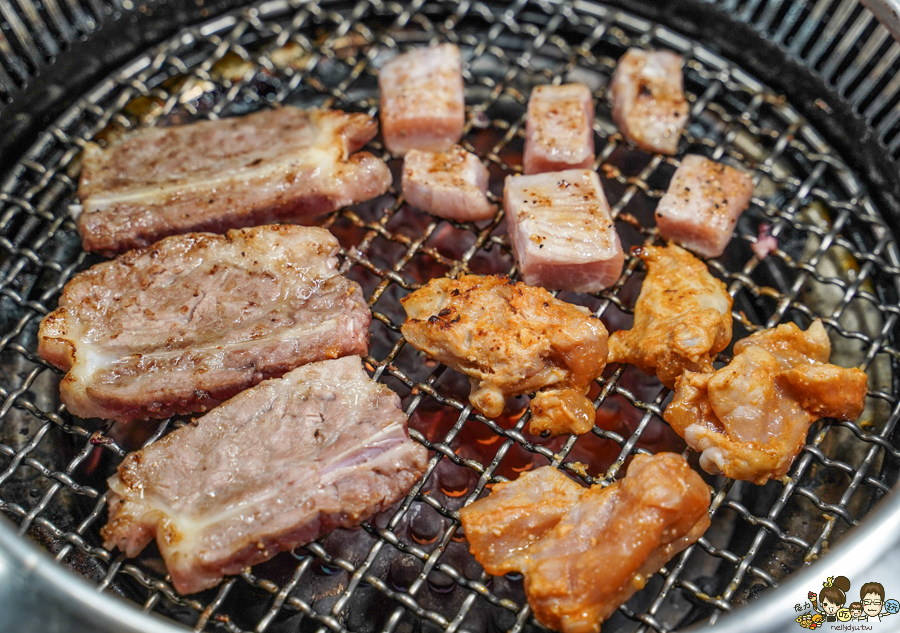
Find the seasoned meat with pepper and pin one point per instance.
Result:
(562, 232)
(702, 205)
(183, 325)
(647, 92)
(278, 165)
(451, 184)
(423, 100)
(559, 129)
(512, 339)
(749, 420)
(584, 552)
(277, 466)
(682, 317)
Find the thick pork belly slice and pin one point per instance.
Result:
(749, 419)
(451, 184)
(682, 317)
(702, 205)
(648, 103)
(561, 231)
(191, 321)
(423, 101)
(559, 130)
(582, 563)
(275, 467)
(278, 165)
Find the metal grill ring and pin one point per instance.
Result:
(408, 569)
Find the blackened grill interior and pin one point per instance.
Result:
(409, 570)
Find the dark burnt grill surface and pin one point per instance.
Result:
(409, 568)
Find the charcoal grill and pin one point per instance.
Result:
(803, 95)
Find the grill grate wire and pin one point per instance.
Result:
(837, 260)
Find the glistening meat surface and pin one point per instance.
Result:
(749, 419)
(271, 166)
(585, 551)
(682, 317)
(275, 467)
(194, 319)
(511, 339)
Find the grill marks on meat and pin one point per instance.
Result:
(702, 205)
(271, 469)
(451, 184)
(749, 420)
(682, 317)
(423, 100)
(562, 232)
(648, 103)
(585, 551)
(559, 130)
(277, 165)
(193, 320)
(512, 339)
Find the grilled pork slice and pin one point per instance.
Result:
(749, 420)
(682, 317)
(191, 321)
(561, 230)
(272, 166)
(511, 339)
(423, 101)
(703, 204)
(581, 563)
(559, 130)
(451, 184)
(277, 466)
(648, 103)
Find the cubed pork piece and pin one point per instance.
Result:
(648, 103)
(559, 130)
(423, 102)
(561, 230)
(702, 205)
(451, 184)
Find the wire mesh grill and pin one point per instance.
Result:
(408, 569)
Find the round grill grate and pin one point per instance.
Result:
(408, 569)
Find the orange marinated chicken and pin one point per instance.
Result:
(682, 318)
(512, 339)
(749, 420)
(585, 551)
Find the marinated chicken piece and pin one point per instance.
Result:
(600, 551)
(648, 103)
(511, 339)
(451, 184)
(423, 100)
(194, 319)
(275, 467)
(279, 165)
(682, 317)
(702, 205)
(559, 130)
(515, 515)
(561, 231)
(749, 420)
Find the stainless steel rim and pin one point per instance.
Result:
(814, 202)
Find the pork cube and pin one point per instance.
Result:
(561, 230)
(648, 103)
(702, 205)
(423, 100)
(559, 131)
(451, 184)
